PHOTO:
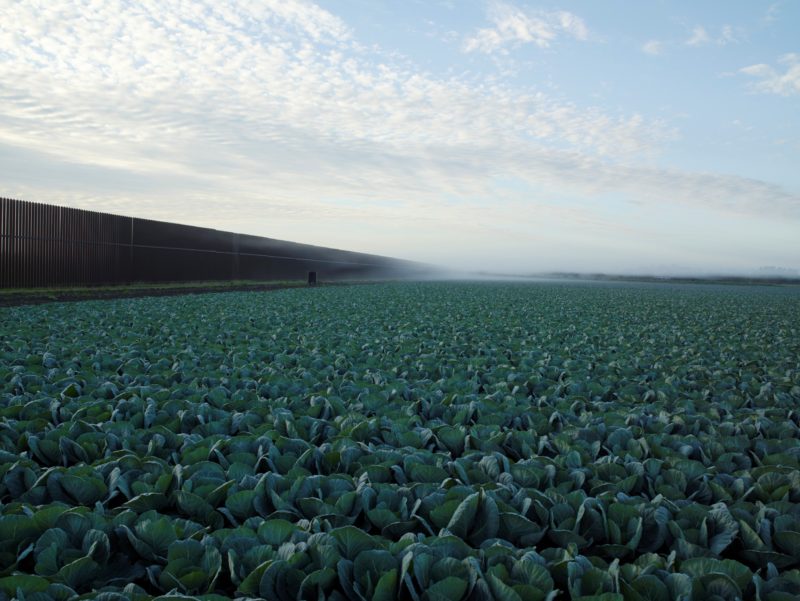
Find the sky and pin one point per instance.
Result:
(616, 136)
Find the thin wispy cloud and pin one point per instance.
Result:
(772, 13)
(653, 47)
(246, 86)
(700, 36)
(514, 26)
(783, 80)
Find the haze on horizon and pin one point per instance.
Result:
(514, 136)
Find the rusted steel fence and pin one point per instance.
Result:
(45, 246)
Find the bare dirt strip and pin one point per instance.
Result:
(33, 297)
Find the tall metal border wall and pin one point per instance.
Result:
(48, 246)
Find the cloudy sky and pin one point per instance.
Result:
(513, 135)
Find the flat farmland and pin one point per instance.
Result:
(428, 441)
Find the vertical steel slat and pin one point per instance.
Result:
(102, 249)
(78, 249)
(63, 259)
(84, 237)
(14, 262)
(4, 243)
(94, 252)
(58, 250)
(62, 234)
(43, 226)
(97, 252)
(30, 268)
(26, 256)
(65, 262)
(76, 236)
(9, 245)
(117, 250)
(122, 247)
(17, 245)
(21, 245)
(52, 253)
(46, 226)
(34, 247)
(76, 233)
(4, 246)
(12, 247)
(3, 249)
(72, 232)
(29, 246)
(90, 248)
(106, 231)
(38, 214)
(34, 265)
(111, 255)
(132, 250)
(104, 236)
(65, 246)
(127, 233)
(81, 250)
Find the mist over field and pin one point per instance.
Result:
(509, 136)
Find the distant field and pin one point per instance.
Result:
(596, 441)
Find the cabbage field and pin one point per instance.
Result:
(414, 442)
